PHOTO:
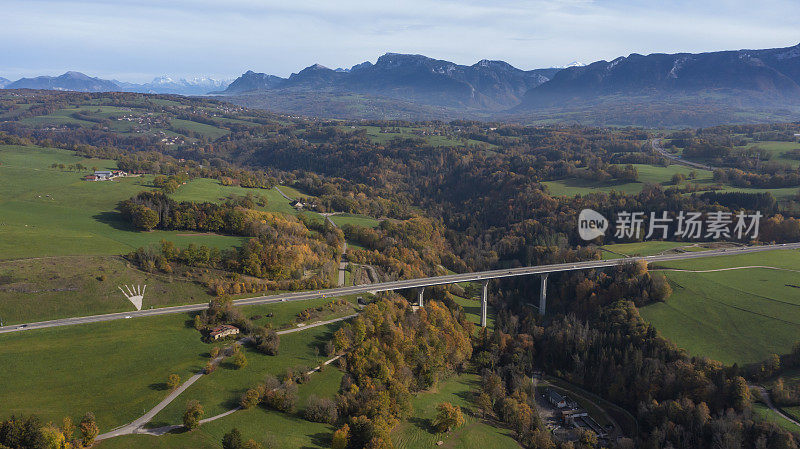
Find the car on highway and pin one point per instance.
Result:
(127, 316)
(23, 326)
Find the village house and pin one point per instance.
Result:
(223, 331)
(104, 175)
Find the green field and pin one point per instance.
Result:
(416, 432)
(204, 189)
(221, 391)
(117, 369)
(59, 287)
(472, 307)
(207, 131)
(736, 316)
(764, 413)
(776, 150)
(648, 174)
(272, 429)
(613, 251)
(49, 212)
(114, 369)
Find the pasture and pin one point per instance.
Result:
(650, 174)
(118, 369)
(734, 316)
(220, 391)
(270, 428)
(50, 212)
(58, 287)
(114, 369)
(204, 189)
(417, 432)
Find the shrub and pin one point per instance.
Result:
(322, 410)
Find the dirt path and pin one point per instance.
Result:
(283, 194)
(768, 402)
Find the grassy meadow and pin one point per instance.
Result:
(49, 212)
(221, 390)
(118, 369)
(651, 174)
(49, 288)
(735, 316)
(417, 432)
(355, 220)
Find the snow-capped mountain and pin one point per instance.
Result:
(167, 85)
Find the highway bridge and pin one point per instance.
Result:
(416, 284)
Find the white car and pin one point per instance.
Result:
(127, 316)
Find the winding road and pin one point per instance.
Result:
(656, 144)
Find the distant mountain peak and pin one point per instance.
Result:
(316, 66)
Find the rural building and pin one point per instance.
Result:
(104, 175)
(556, 399)
(223, 331)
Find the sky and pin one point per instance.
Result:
(137, 40)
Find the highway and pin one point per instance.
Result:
(656, 144)
(401, 285)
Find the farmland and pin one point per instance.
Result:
(58, 287)
(651, 174)
(735, 316)
(40, 206)
(417, 432)
(117, 370)
(220, 391)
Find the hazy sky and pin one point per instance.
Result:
(135, 40)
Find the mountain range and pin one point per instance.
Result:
(682, 89)
(485, 85)
(757, 77)
(76, 81)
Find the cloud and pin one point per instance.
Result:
(141, 39)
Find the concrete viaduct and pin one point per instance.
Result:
(416, 284)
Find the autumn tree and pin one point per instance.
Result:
(239, 360)
(89, 429)
(193, 414)
(448, 417)
(174, 381)
(341, 437)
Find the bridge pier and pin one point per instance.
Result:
(420, 292)
(484, 302)
(543, 295)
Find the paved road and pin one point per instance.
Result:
(656, 144)
(402, 284)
